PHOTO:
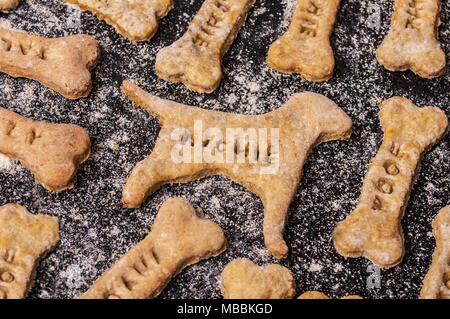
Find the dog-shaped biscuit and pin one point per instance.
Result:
(272, 170)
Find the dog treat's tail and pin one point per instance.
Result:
(160, 108)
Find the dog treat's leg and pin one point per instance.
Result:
(320, 295)
(373, 229)
(305, 47)
(242, 279)
(6, 5)
(178, 238)
(306, 120)
(52, 152)
(196, 58)
(412, 42)
(436, 284)
(62, 64)
(136, 20)
(24, 240)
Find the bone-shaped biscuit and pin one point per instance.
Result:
(305, 47)
(136, 20)
(412, 41)
(6, 5)
(242, 279)
(306, 120)
(24, 240)
(373, 229)
(196, 58)
(436, 284)
(320, 295)
(62, 64)
(52, 152)
(178, 238)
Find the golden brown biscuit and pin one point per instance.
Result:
(373, 229)
(136, 20)
(305, 47)
(24, 240)
(412, 42)
(178, 238)
(6, 5)
(62, 64)
(52, 152)
(319, 295)
(242, 279)
(436, 284)
(196, 58)
(272, 172)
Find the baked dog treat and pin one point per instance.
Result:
(196, 58)
(62, 64)
(412, 41)
(373, 229)
(242, 279)
(319, 295)
(305, 47)
(52, 152)
(436, 284)
(178, 238)
(24, 240)
(6, 5)
(136, 20)
(272, 172)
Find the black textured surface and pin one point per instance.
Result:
(95, 230)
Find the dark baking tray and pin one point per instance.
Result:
(95, 230)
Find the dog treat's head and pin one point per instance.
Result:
(242, 279)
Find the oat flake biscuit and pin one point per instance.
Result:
(6, 5)
(306, 120)
(52, 152)
(136, 20)
(196, 58)
(373, 229)
(436, 284)
(412, 42)
(24, 239)
(178, 238)
(320, 295)
(305, 47)
(62, 64)
(242, 279)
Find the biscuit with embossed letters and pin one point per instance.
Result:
(412, 41)
(24, 239)
(196, 58)
(62, 64)
(178, 238)
(52, 152)
(373, 229)
(266, 154)
(305, 48)
(136, 20)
